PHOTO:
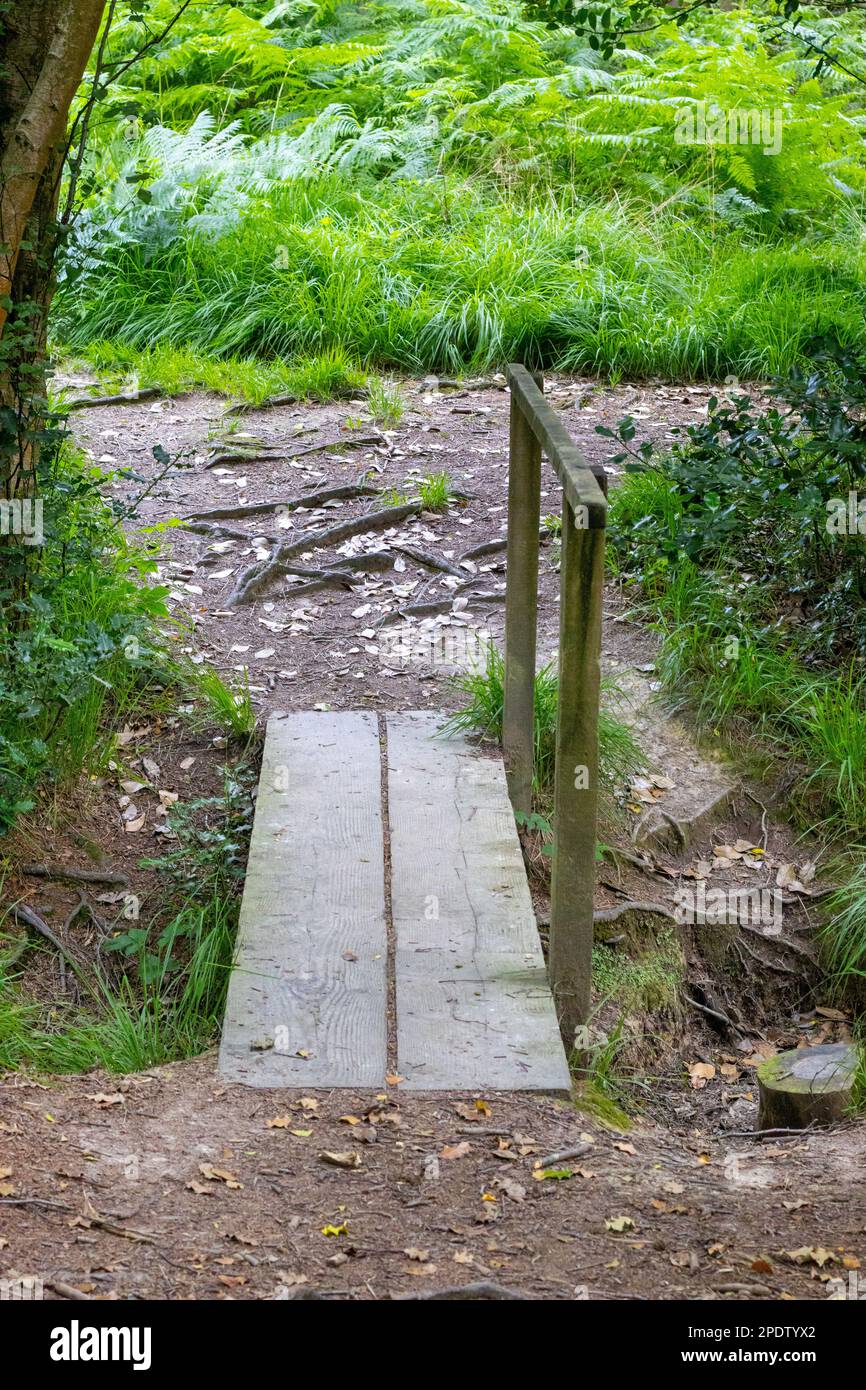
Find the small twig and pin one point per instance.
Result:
(67, 1291)
(612, 914)
(560, 1156)
(759, 1290)
(768, 1133)
(488, 1131)
(763, 816)
(32, 1202)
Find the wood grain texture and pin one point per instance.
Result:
(473, 1005)
(311, 961)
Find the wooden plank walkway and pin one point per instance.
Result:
(307, 1003)
(310, 975)
(473, 1005)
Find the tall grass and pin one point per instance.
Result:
(447, 276)
(322, 376)
(619, 754)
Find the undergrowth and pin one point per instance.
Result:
(619, 754)
(744, 545)
(169, 999)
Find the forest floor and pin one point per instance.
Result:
(171, 1184)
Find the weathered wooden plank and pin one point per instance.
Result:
(473, 1005)
(311, 961)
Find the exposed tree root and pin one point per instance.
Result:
(432, 562)
(62, 871)
(255, 577)
(289, 504)
(147, 393)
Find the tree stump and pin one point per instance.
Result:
(809, 1086)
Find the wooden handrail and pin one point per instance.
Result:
(536, 428)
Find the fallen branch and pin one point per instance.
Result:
(444, 605)
(211, 528)
(358, 441)
(244, 407)
(271, 402)
(768, 1133)
(258, 455)
(485, 548)
(343, 574)
(255, 577)
(494, 547)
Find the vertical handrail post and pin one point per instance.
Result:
(521, 607)
(576, 775)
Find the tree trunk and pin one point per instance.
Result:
(45, 46)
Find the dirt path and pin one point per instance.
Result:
(232, 1206)
(171, 1185)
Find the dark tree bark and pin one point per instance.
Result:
(44, 48)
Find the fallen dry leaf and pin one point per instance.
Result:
(701, 1073)
(219, 1175)
(619, 1223)
(810, 1254)
(346, 1159)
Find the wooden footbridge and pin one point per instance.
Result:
(386, 923)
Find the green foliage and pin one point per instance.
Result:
(229, 707)
(381, 273)
(747, 550)
(769, 492)
(442, 184)
(619, 755)
(321, 376)
(385, 401)
(435, 492)
(172, 1005)
(649, 981)
(79, 645)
